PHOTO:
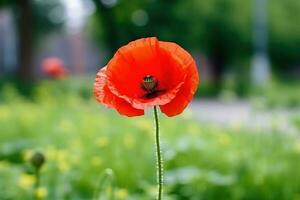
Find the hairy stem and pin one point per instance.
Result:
(159, 156)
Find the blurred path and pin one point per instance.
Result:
(241, 113)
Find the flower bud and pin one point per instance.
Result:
(37, 160)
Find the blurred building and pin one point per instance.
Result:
(8, 43)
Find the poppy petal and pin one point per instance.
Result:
(133, 62)
(186, 92)
(106, 97)
(179, 55)
(183, 97)
(120, 84)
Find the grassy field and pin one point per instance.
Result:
(83, 141)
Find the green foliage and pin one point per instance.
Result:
(41, 12)
(278, 95)
(284, 32)
(7, 2)
(215, 27)
(81, 140)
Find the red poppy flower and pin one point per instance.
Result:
(54, 67)
(147, 73)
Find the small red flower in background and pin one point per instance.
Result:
(146, 73)
(54, 67)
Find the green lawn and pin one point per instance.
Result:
(81, 140)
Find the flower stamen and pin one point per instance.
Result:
(149, 84)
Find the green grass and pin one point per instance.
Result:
(81, 139)
(278, 95)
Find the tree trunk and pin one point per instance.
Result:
(25, 70)
(218, 62)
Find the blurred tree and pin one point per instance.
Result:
(107, 17)
(210, 26)
(114, 18)
(222, 29)
(284, 44)
(25, 72)
(33, 21)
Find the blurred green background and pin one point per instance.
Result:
(239, 138)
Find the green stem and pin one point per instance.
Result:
(159, 156)
(37, 183)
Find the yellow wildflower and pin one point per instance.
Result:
(62, 160)
(121, 194)
(26, 181)
(41, 193)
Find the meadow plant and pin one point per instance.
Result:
(148, 73)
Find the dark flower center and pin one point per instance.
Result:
(149, 85)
